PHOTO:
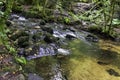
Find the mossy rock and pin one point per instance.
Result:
(42, 22)
(47, 29)
(23, 41)
(18, 34)
(37, 36)
(50, 39)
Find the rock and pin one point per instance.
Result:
(117, 39)
(57, 73)
(81, 7)
(19, 77)
(23, 41)
(37, 27)
(50, 39)
(16, 34)
(21, 19)
(9, 23)
(33, 76)
(102, 63)
(72, 29)
(91, 38)
(40, 51)
(2, 49)
(14, 16)
(21, 51)
(37, 36)
(12, 76)
(63, 52)
(113, 72)
(70, 35)
(59, 34)
(108, 55)
(42, 22)
(31, 51)
(47, 29)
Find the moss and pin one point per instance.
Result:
(31, 14)
(17, 8)
(17, 34)
(23, 41)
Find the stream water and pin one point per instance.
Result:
(66, 53)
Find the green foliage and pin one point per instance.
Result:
(11, 49)
(66, 20)
(21, 60)
(116, 22)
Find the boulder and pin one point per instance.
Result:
(42, 22)
(62, 52)
(47, 29)
(23, 41)
(70, 35)
(113, 72)
(9, 23)
(37, 36)
(50, 39)
(91, 38)
(19, 77)
(18, 33)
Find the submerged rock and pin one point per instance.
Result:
(57, 73)
(113, 72)
(19, 77)
(32, 76)
(102, 63)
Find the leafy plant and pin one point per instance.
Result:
(66, 20)
(21, 60)
(116, 22)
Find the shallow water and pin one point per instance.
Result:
(82, 63)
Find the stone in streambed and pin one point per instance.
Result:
(37, 36)
(17, 34)
(91, 38)
(9, 23)
(23, 41)
(42, 22)
(47, 29)
(33, 76)
(62, 52)
(113, 72)
(50, 39)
